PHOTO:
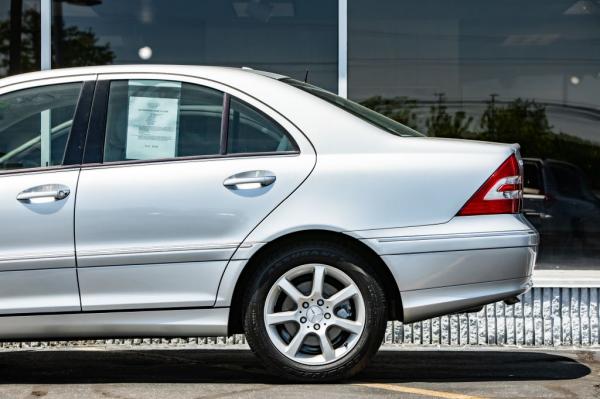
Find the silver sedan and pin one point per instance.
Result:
(163, 201)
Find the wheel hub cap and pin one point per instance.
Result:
(315, 314)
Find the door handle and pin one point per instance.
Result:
(250, 180)
(56, 192)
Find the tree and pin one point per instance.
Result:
(441, 124)
(399, 109)
(518, 121)
(20, 55)
(73, 47)
(79, 48)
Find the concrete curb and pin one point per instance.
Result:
(566, 278)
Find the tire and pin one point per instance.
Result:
(344, 350)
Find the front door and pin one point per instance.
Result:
(186, 173)
(37, 197)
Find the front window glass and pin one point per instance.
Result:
(35, 125)
(356, 109)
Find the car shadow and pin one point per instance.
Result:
(241, 366)
(472, 365)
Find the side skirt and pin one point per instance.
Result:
(151, 323)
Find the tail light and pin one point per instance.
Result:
(501, 193)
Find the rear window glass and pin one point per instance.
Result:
(251, 131)
(362, 112)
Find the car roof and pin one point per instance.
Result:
(192, 70)
(305, 111)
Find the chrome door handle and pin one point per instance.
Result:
(238, 181)
(250, 180)
(56, 192)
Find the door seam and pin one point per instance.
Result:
(75, 241)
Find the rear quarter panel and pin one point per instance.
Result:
(395, 182)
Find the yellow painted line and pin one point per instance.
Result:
(419, 391)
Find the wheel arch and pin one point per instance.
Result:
(386, 277)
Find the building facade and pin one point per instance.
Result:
(512, 71)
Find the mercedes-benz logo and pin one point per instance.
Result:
(314, 314)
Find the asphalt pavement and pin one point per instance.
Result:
(98, 372)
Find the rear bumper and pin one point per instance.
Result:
(427, 303)
(467, 262)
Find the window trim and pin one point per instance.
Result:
(141, 162)
(539, 171)
(96, 136)
(81, 118)
(94, 143)
(225, 123)
(54, 168)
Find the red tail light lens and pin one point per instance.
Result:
(501, 193)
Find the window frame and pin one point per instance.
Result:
(74, 148)
(539, 171)
(93, 155)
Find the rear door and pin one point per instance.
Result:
(41, 129)
(179, 171)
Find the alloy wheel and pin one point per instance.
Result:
(314, 314)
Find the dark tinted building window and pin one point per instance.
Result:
(288, 37)
(19, 36)
(569, 180)
(523, 72)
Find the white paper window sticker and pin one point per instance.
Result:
(152, 123)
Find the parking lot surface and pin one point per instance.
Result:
(234, 373)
